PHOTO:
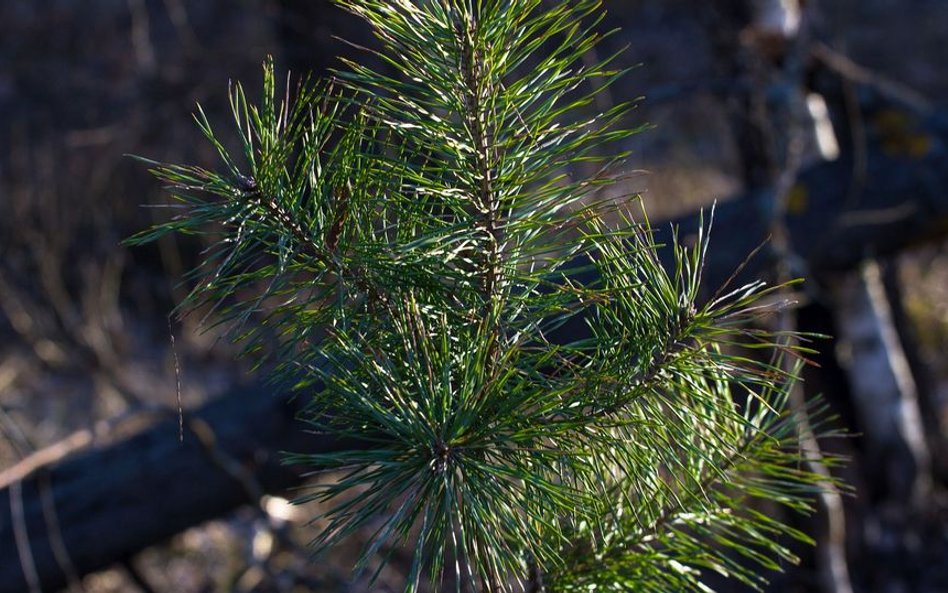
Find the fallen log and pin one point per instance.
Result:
(90, 510)
(83, 512)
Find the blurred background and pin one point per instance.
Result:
(822, 124)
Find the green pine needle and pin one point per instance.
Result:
(408, 248)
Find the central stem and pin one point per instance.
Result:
(486, 200)
(485, 196)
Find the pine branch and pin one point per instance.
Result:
(444, 193)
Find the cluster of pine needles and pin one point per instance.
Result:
(426, 252)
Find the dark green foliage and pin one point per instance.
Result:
(414, 241)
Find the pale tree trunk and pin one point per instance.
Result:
(884, 392)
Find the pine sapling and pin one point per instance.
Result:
(413, 249)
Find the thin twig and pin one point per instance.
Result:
(15, 434)
(22, 537)
(207, 438)
(177, 383)
(53, 528)
(891, 89)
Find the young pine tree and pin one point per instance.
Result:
(413, 253)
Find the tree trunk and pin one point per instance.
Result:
(882, 386)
